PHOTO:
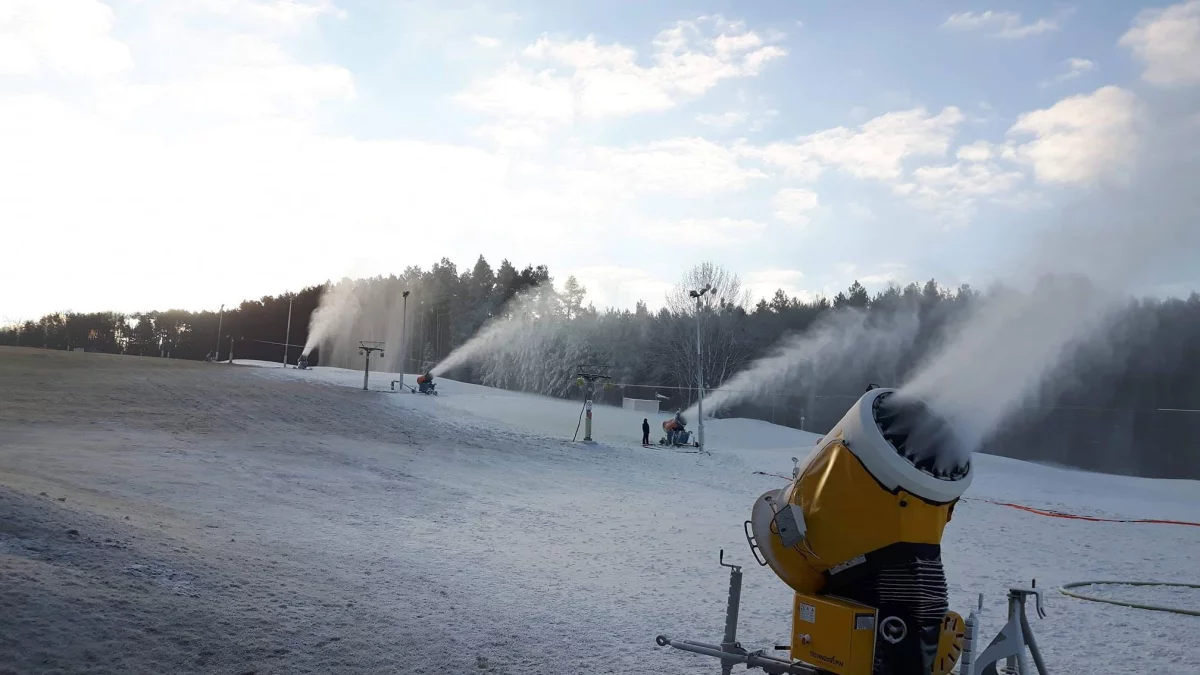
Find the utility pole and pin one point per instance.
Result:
(404, 351)
(217, 355)
(288, 337)
(700, 361)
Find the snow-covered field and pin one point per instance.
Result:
(169, 517)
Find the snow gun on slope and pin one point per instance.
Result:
(676, 432)
(425, 385)
(856, 535)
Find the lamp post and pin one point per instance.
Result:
(700, 362)
(217, 355)
(404, 351)
(288, 336)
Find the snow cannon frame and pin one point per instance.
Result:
(867, 510)
(958, 641)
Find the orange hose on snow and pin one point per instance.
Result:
(1072, 516)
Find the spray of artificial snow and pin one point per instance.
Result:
(526, 313)
(339, 306)
(845, 339)
(353, 311)
(1121, 239)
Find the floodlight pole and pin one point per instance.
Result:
(288, 337)
(403, 345)
(700, 364)
(217, 355)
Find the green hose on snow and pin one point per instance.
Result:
(1123, 603)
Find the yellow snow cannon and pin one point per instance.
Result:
(857, 536)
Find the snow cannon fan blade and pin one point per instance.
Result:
(885, 477)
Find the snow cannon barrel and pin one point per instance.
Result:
(670, 425)
(422, 379)
(864, 516)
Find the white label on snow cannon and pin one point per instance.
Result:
(808, 613)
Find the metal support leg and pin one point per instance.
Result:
(1009, 645)
(730, 643)
(729, 651)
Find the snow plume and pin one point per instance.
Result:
(338, 306)
(1135, 236)
(1001, 356)
(353, 311)
(848, 339)
(529, 346)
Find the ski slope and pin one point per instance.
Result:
(669, 528)
(167, 516)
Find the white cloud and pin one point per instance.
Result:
(793, 205)
(1072, 68)
(877, 149)
(979, 151)
(795, 159)
(288, 14)
(859, 210)
(486, 41)
(737, 118)
(955, 189)
(763, 284)
(589, 80)
(681, 166)
(725, 120)
(1167, 41)
(519, 134)
(70, 37)
(616, 286)
(1006, 25)
(1081, 138)
(704, 232)
(521, 93)
(886, 274)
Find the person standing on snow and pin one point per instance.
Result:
(645, 431)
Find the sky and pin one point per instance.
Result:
(187, 153)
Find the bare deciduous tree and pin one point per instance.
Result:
(728, 291)
(721, 332)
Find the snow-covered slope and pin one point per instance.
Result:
(159, 515)
(678, 509)
(558, 418)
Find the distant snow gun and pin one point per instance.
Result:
(425, 385)
(857, 535)
(676, 433)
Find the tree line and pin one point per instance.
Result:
(1120, 407)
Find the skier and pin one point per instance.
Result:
(645, 431)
